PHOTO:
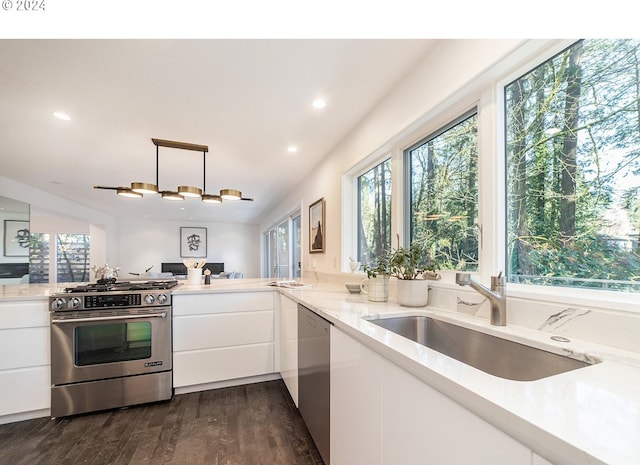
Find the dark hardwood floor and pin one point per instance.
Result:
(243, 425)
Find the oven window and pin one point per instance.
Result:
(113, 342)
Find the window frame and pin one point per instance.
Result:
(406, 155)
(486, 92)
(524, 61)
(358, 207)
(293, 248)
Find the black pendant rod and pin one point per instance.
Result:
(204, 171)
(157, 159)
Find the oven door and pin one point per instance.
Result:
(108, 344)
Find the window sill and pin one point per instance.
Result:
(618, 301)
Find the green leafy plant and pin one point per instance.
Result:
(380, 266)
(413, 262)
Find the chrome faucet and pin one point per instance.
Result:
(497, 295)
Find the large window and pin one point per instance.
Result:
(374, 212)
(72, 252)
(283, 250)
(443, 191)
(573, 168)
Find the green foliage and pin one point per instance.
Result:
(374, 212)
(403, 263)
(573, 167)
(410, 263)
(444, 191)
(379, 266)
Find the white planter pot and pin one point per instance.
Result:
(413, 292)
(194, 276)
(376, 289)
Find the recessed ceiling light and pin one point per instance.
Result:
(319, 103)
(62, 116)
(292, 149)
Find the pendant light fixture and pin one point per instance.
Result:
(138, 189)
(126, 192)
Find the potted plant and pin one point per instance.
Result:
(413, 270)
(376, 286)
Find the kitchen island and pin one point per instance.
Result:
(589, 415)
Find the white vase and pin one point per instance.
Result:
(413, 292)
(376, 289)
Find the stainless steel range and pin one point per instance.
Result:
(110, 346)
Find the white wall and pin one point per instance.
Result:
(135, 245)
(450, 67)
(142, 244)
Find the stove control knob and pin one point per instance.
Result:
(149, 299)
(162, 298)
(58, 304)
(74, 303)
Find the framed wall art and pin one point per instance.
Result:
(317, 227)
(16, 238)
(193, 242)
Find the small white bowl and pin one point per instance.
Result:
(353, 288)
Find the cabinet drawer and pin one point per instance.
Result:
(21, 348)
(25, 390)
(222, 303)
(23, 314)
(208, 366)
(229, 329)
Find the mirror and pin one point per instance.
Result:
(14, 248)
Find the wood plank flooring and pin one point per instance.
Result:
(242, 425)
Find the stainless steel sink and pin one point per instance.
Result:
(493, 355)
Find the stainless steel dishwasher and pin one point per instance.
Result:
(314, 337)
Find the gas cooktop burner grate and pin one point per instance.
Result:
(124, 286)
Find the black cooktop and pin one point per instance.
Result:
(124, 286)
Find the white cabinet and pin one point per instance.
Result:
(356, 402)
(24, 360)
(222, 337)
(421, 425)
(288, 344)
(383, 415)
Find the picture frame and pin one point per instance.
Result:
(16, 238)
(193, 242)
(317, 226)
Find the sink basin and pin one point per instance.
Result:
(493, 355)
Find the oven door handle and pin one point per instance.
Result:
(108, 318)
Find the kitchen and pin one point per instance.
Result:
(135, 244)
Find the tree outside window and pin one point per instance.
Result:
(573, 168)
(444, 194)
(374, 212)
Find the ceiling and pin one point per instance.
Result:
(247, 100)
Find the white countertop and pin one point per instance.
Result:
(586, 416)
(589, 415)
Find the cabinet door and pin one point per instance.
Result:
(220, 337)
(288, 345)
(24, 357)
(224, 302)
(222, 330)
(421, 425)
(356, 402)
(25, 390)
(222, 364)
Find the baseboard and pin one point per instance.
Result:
(226, 383)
